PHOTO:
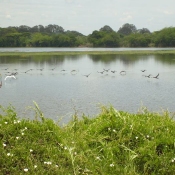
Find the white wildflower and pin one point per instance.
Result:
(31, 150)
(56, 166)
(147, 136)
(136, 137)
(22, 133)
(48, 163)
(172, 160)
(114, 130)
(17, 138)
(98, 158)
(8, 154)
(109, 129)
(6, 122)
(15, 122)
(25, 128)
(25, 169)
(111, 165)
(65, 148)
(18, 121)
(35, 166)
(4, 144)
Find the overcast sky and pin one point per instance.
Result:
(85, 16)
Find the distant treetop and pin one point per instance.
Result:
(106, 28)
(127, 29)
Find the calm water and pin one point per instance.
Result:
(62, 93)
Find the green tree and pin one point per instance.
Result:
(143, 31)
(96, 38)
(127, 29)
(23, 28)
(63, 40)
(106, 28)
(164, 37)
(104, 39)
(136, 40)
(39, 40)
(54, 29)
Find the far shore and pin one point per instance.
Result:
(142, 52)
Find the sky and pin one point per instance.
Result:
(85, 16)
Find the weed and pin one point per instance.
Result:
(114, 142)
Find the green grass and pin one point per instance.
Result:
(145, 52)
(113, 142)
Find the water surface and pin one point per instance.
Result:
(62, 93)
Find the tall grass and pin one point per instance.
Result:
(114, 142)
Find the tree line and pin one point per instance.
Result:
(55, 36)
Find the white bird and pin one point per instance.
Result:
(10, 76)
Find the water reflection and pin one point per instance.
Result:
(108, 58)
(0, 80)
(166, 59)
(103, 58)
(62, 85)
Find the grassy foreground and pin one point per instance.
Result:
(113, 142)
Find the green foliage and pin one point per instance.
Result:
(127, 29)
(165, 37)
(55, 36)
(114, 142)
(136, 40)
(39, 40)
(104, 39)
(106, 28)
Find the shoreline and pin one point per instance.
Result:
(133, 52)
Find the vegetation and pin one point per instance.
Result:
(62, 53)
(55, 36)
(114, 142)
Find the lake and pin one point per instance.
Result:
(66, 90)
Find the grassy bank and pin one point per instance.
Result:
(143, 52)
(113, 142)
